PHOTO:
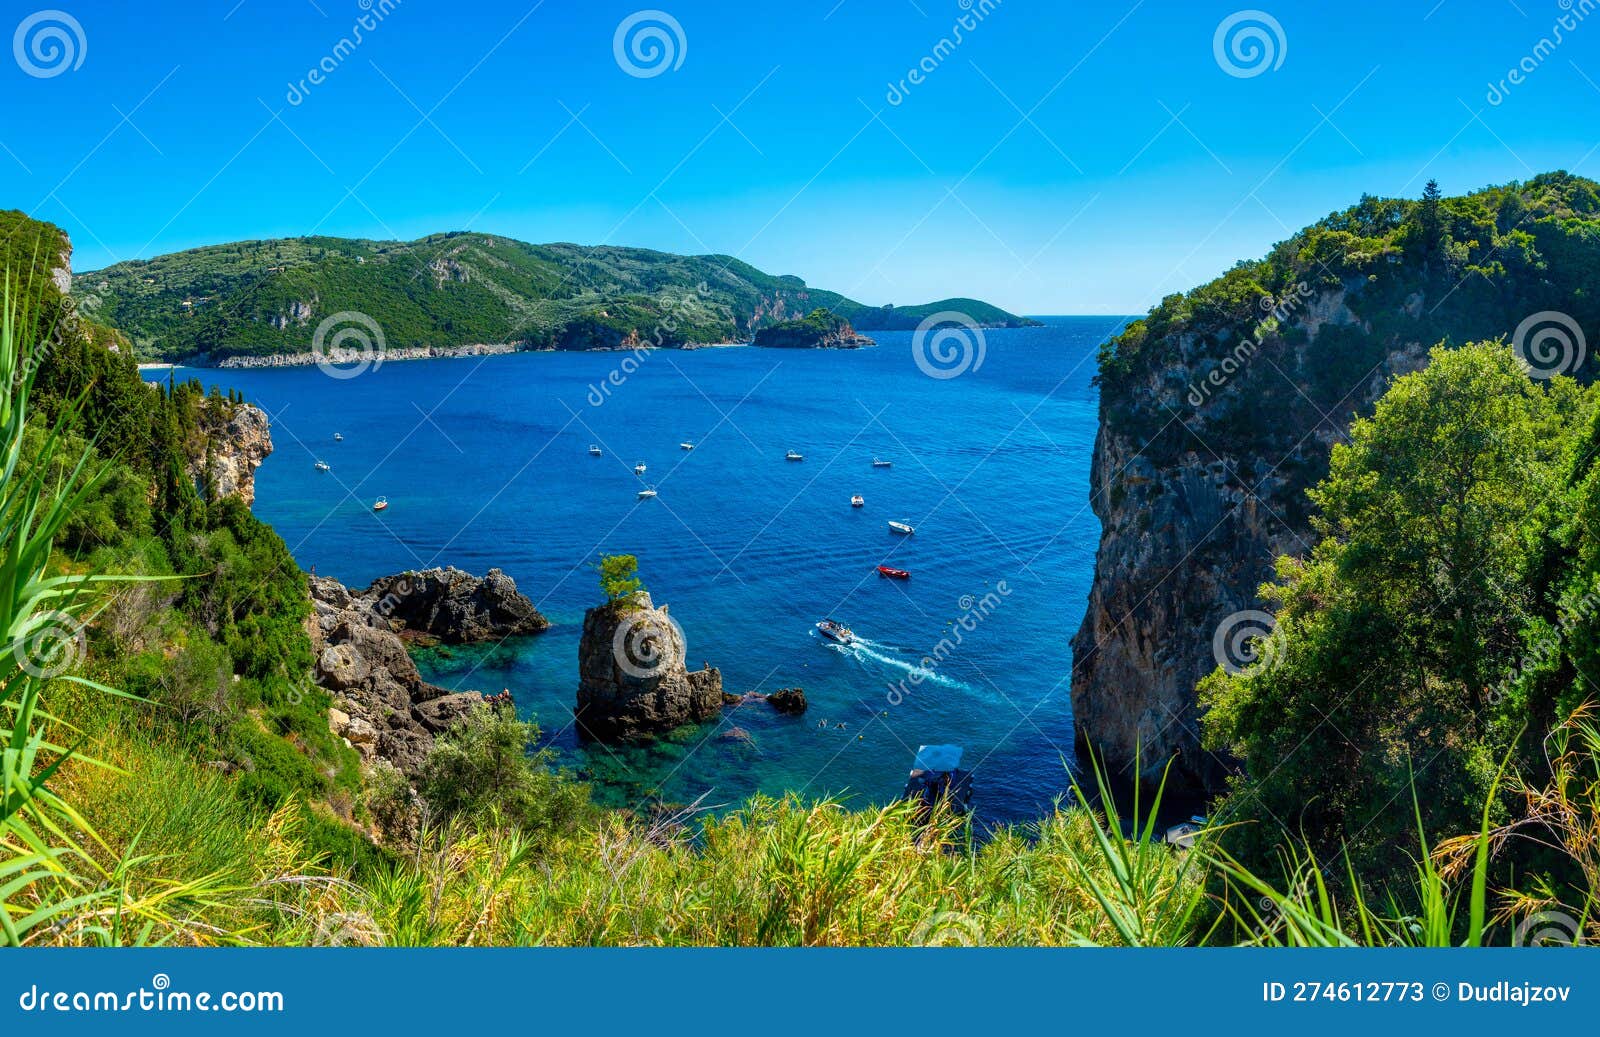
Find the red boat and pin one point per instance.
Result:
(892, 573)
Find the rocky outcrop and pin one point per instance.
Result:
(818, 330)
(382, 706)
(236, 438)
(1199, 477)
(632, 677)
(453, 606)
(791, 701)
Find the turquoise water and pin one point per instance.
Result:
(485, 463)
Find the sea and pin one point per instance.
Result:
(485, 462)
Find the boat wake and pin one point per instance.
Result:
(865, 650)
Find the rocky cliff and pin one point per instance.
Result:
(234, 439)
(633, 680)
(382, 706)
(1192, 520)
(1218, 412)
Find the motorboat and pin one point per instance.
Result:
(594, 451)
(338, 437)
(638, 469)
(835, 631)
(380, 504)
(892, 573)
(794, 455)
(647, 493)
(685, 446)
(323, 466)
(882, 464)
(858, 501)
(902, 528)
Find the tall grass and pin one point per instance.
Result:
(58, 879)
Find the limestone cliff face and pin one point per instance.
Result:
(1200, 470)
(632, 676)
(235, 439)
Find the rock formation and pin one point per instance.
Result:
(791, 701)
(1194, 512)
(236, 439)
(453, 606)
(382, 706)
(817, 330)
(632, 678)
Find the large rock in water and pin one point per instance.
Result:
(632, 677)
(381, 703)
(454, 606)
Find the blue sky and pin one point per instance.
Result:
(1062, 158)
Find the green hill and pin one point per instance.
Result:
(255, 298)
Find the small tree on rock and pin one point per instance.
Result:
(619, 577)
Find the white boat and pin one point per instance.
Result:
(794, 455)
(858, 501)
(638, 469)
(338, 437)
(594, 451)
(902, 527)
(647, 493)
(685, 446)
(882, 464)
(323, 466)
(835, 631)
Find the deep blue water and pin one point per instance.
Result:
(485, 463)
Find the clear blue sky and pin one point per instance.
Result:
(1142, 167)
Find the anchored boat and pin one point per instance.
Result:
(902, 528)
(892, 573)
(858, 501)
(882, 464)
(380, 504)
(794, 455)
(594, 451)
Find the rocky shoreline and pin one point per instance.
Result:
(381, 705)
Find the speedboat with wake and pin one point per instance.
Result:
(835, 631)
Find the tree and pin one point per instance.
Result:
(619, 577)
(482, 768)
(1395, 636)
(1432, 225)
